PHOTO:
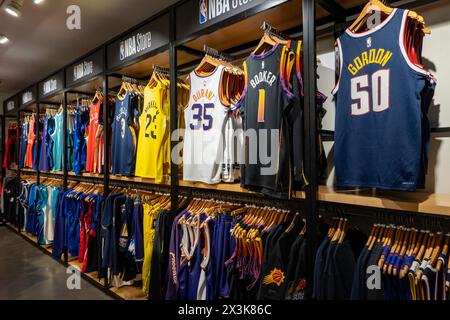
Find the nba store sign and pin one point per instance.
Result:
(135, 44)
(212, 9)
(10, 106)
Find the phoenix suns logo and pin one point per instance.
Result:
(275, 276)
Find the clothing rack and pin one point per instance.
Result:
(428, 222)
(159, 69)
(311, 205)
(240, 198)
(139, 186)
(134, 81)
(271, 30)
(217, 54)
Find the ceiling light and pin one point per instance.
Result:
(38, 1)
(14, 8)
(3, 39)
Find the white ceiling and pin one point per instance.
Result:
(40, 42)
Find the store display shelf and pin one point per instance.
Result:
(125, 292)
(129, 293)
(86, 174)
(29, 236)
(58, 173)
(28, 170)
(229, 187)
(48, 248)
(9, 224)
(166, 182)
(420, 202)
(78, 265)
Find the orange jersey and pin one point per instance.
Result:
(92, 134)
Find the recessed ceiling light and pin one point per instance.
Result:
(38, 1)
(14, 8)
(3, 39)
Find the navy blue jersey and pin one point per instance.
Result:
(268, 114)
(123, 147)
(379, 138)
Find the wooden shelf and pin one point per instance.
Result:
(299, 195)
(29, 236)
(48, 248)
(87, 175)
(59, 173)
(78, 265)
(113, 177)
(420, 202)
(125, 292)
(129, 292)
(28, 170)
(230, 187)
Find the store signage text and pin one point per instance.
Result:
(49, 86)
(83, 69)
(10, 106)
(27, 97)
(212, 9)
(135, 44)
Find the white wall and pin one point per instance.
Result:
(436, 53)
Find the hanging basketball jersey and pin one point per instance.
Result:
(123, 146)
(234, 139)
(153, 135)
(205, 119)
(265, 110)
(380, 111)
(58, 138)
(31, 143)
(92, 130)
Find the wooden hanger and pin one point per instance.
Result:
(440, 263)
(265, 44)
(437, 249)
(344, 231)
(390, 237)
(403, 249)
(207, 65)
(377, 5)
(372, 234)
(337, 232)
(410, 251)
(398, 236)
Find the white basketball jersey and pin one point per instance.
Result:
(234, 141)
(205, 118)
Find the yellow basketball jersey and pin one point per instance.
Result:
(154, 130)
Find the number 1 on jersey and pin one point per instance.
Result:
(261, 105)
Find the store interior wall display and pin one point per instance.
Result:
(227, 151)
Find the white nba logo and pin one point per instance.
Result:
(262, 65)
(369, 42)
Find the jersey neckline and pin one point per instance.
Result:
(209, 75)
(377, 28)
(124, 97)
(265, 54)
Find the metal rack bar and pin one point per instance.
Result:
(217, 54)
(191, 51)
(106, 133)
(65, 143)
(332, 7)
(173, 52)
(309, 77)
